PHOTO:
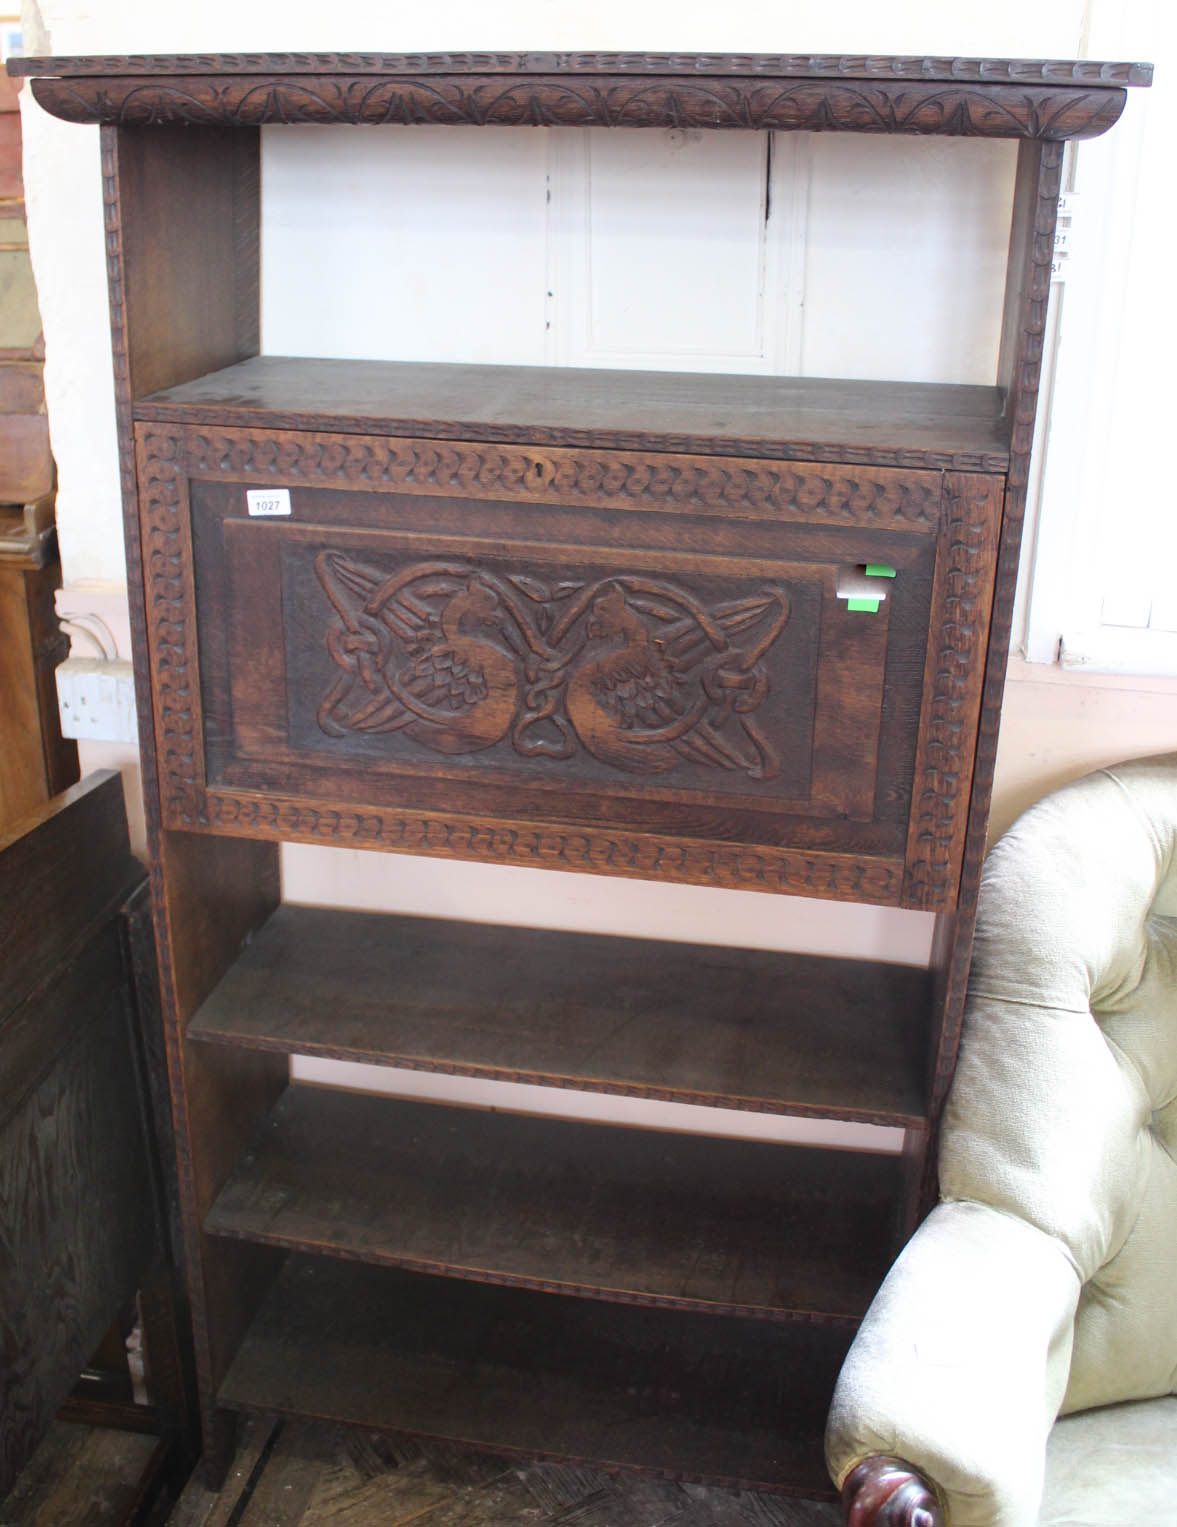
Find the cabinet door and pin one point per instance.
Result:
(700, 668)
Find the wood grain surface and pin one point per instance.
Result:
(747, 1029)
(632, 1216)
(77, 1216)
(46, 908)
(309, 1474)
(82, 1219)
(172, 319)
(84, 1476)
(1027, 295)
(36, 762)
(713, 1400)
(897, 424)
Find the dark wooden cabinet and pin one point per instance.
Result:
(86, 1191)
(733, 631)
(643, 659)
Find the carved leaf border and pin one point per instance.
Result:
(757, 103)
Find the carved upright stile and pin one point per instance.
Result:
(541, 618)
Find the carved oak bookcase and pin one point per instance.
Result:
(582, 619)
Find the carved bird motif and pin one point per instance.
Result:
(625, 703)
(422, 653)
(636, 670)
(660, 681)
(461, 689)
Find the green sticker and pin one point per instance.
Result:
(879, 570)
(871, 606)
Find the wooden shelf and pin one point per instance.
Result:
(688, 1023)
(634, 1216)
(636, 576)
(907, 424)
(514, 1371)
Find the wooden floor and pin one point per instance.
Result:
(81, 1476)
(298, 1474)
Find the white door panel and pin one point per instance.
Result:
(664, 253)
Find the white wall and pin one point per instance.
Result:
(808, 294)
(872, 257)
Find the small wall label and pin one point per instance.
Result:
(266, 501)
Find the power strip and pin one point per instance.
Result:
(96, 699)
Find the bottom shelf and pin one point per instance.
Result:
(699, 1397)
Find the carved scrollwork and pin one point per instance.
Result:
(757, 102)
(593, 851)
(952, 686)
(636, 671)
(802, 493)
(167, 593)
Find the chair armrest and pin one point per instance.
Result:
(887, 1492)
(960, 1365)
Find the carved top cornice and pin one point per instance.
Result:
(1007, 98)
(861, 66)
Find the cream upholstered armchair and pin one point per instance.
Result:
(1045, 1281)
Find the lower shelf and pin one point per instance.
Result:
(698, 1397)
(734, 1226)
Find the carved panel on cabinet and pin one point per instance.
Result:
(495, 639)
(635, 671)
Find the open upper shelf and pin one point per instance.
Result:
(687, 1023)
(911, 424)
(636, 1216)
(677, 1393)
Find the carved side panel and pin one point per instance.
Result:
(76, 1207)
(953, 680)
(171, 613)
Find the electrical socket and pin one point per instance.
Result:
(96, 699)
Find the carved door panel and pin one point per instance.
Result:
(644, 663)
